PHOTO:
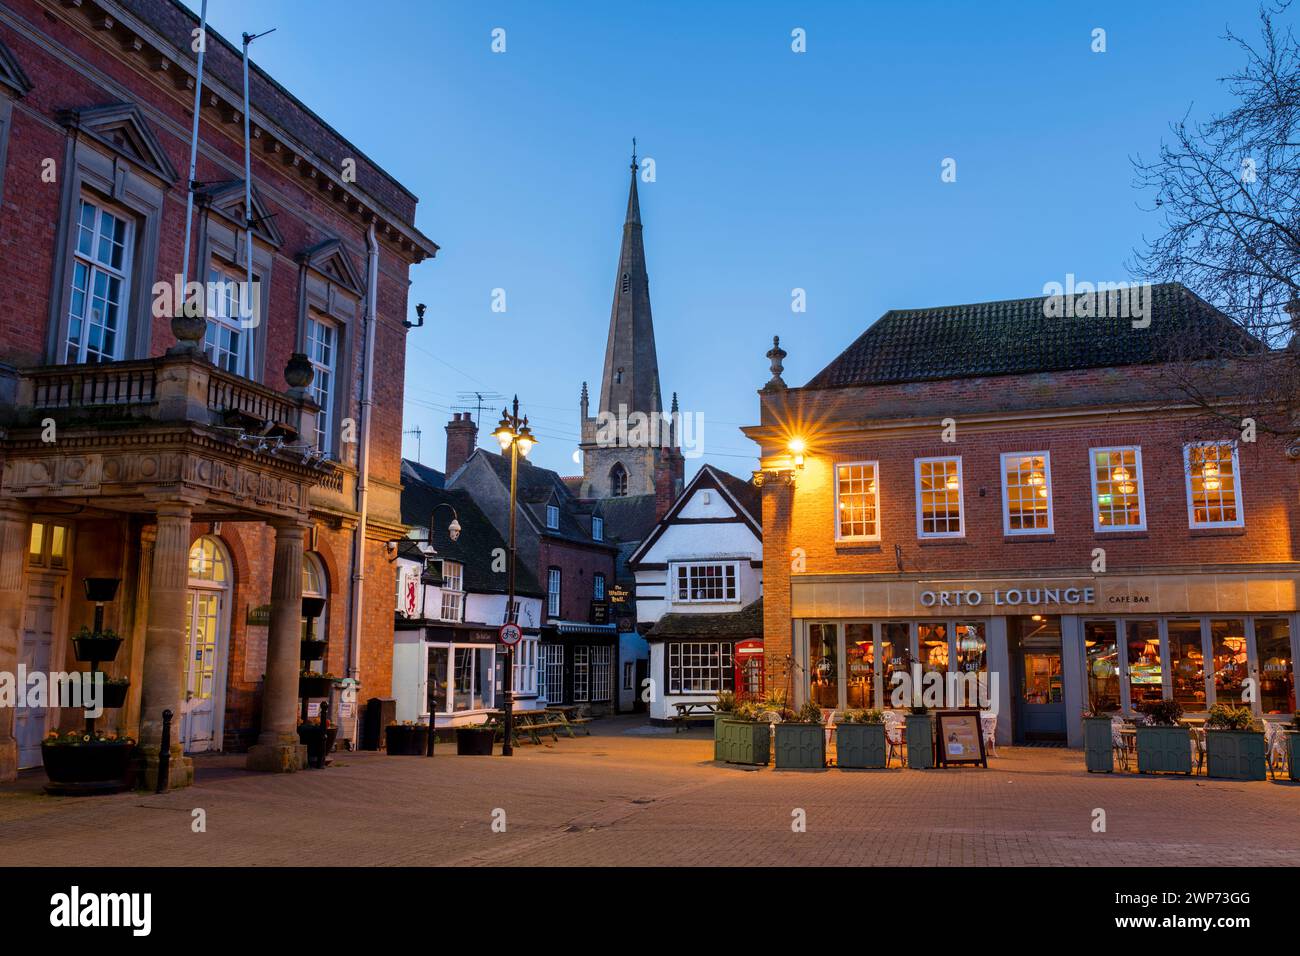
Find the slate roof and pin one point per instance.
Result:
(743, 491)
(742, 624)
(539, 487)
(1015, 337)
(423, 473)
(629, 518)
(478, 538)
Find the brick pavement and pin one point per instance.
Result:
(658, 799)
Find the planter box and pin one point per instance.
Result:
(860, 746)
(1235, 754)
(315, 686)
(475, 741)
(1293, 754)
(311, 650)
(86, 768)
(115, 695)
(406, 741)
(800, 746)
(318, 748)
(742, 741)
(920, 741)
(1098, 745)
(96, 650)
(1164, 750)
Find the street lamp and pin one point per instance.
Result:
(514, 436)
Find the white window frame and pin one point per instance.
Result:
(1236, 486)
(322, 391)
(598, 528)
(598, 586)
(554, 586)
(713, 660)
(961, 499)
(581, 668)
(673, 573)
(220, 278)
(550, 664)
(875, 472)
(93, 266)
(1097, 526)
(552, 517)
(453, 592)
(525, 676)
(602, 673)
(1006, 496)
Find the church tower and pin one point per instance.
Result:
(629, 446)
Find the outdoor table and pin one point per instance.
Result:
(688, 709)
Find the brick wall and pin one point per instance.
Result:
(578, 565)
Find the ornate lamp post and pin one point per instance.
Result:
(514, 437)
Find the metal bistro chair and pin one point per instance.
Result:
(1117, 741)
(894, 738)
(1275, 746)
(989, 730)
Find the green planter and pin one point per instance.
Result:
(718, 718)
(920, 741)
(1164, 750)
(742, 741)
(1293, 755)
(800, 746)
(1098, 745)
(860, 746)
(1235, 754)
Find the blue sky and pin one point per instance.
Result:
(774, 171)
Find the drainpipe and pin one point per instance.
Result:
(363, 459)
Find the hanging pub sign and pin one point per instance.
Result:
(961, 738)
(617, 594)
(599, 612)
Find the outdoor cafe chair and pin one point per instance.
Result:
(894, 738)
(1275, 746)
(989, 728)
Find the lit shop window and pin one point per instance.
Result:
(1187, 664)
(1026, 494)
(1117, 489)
(1231, 667)
(938, 498)
(1145, 675)
(860, 665)
(1276, 670)
(1213, 492)
(932, 646)
(824, 666)
(857, 502)
(1102, 656)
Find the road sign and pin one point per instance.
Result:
(510, 634)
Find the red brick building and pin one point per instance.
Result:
(210, 474)
(984, 490)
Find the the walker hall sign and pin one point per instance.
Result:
(1010, 597)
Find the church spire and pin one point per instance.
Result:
(631, 374)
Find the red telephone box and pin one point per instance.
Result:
(748, 661)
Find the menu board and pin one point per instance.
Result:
(960, 738)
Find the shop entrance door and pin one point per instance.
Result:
(1040, 689)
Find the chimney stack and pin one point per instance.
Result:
(462, 439)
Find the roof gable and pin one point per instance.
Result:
(122, 128)
(707, 477)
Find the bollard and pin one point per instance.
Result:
(428, 744)
(165, 753)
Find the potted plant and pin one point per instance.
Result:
(726, 710)
(96, 647)
(920, 738)
(80, 763)
(1233, 748)
(475, 740)
(407, 739)
(1163, 745)
(319, 743)
(311, 649)
(801, 740)
(1098, 741)
(743, 737)
(860, 739)
(114, 694)
(311, 684)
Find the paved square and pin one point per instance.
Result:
(626, 797)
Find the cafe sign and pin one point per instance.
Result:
(1010, 597)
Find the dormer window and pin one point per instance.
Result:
(552, 517)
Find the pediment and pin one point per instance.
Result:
(11, 73)
(227, 198)
(331, 260)
(122, 128)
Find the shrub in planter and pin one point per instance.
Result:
(115, 689)
(743, 738)
(919, 731)
(406, 740)
(1233, 749)
(726, 710)
(1098, 742)
(801, 742)
(96, 646)
(1163, 745)
(81, 763)
(475, 741)
(312, 650)
(311, 684)
(860, 739)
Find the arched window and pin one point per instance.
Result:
(315, 584)
(618, 481)
(208, 562)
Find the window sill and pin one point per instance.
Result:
(1042, 537)
(1218, 532)
(940, 542)
(857, 547)
(1121, 535)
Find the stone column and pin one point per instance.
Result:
(139, 627)
(277, 749)
(15, 531)
(164, 649)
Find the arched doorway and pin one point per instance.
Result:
(207, 642)
(316, 584)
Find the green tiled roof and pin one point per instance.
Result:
(1016, 337)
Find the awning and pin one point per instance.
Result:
(581, 627)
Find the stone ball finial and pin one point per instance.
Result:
(298, 371)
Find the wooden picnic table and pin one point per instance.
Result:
(531, 724)
(692, 708)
